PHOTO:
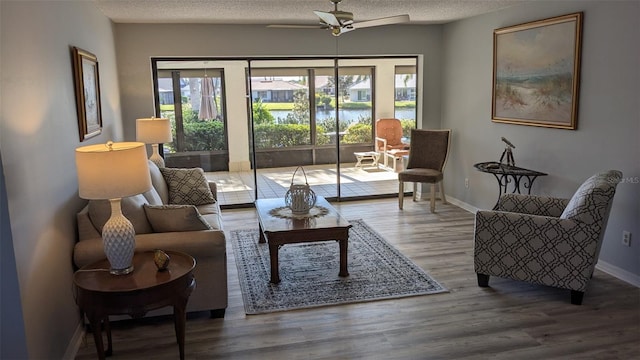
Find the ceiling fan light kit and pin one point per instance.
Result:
(340, 22)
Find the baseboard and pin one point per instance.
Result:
(462, 204)
(74, 344)
(619, 273)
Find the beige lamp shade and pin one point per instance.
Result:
(153, 131)
(112, 170)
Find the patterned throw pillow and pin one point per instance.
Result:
(187, 186)
(168, 218)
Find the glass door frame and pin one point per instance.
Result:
(336, 59)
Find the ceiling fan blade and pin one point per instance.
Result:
(284, 26)
(346, 29)
(382, 21)
(328, 18)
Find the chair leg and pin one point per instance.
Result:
(415, 191)
(576, 297)
(442, 195)
(433, 198)
(483, 280)
(400, 194)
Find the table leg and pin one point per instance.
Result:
(96, 327)
(180, 315)
(273, 255)
(180, 318)
(261, 240)
(344, 244)
(107, 329)
(358, 161)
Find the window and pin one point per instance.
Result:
(280, 103)
(405, 98)
(191, 99)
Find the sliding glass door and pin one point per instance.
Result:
(292, 126)
(249, 123)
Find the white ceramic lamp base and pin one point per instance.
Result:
(118, 237)
(155, 157)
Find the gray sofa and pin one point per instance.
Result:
(207, 246)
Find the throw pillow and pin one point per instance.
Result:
(187, 186)
(168, 218)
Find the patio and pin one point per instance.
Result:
(235, 188)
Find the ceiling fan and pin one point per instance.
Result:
(340, 22)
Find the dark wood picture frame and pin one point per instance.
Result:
(536, 72)
(87, 88)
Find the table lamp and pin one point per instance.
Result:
(154, 131)
(113, 171)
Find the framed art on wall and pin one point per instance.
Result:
(536, 72)
(87, 87)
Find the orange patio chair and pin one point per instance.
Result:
(389, 141)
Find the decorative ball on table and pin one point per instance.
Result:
(161, 259)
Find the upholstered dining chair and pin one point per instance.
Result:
(389, 141)
(428, 157)
(545, 240)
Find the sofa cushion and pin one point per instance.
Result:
(132, 208)
(153, 198)
(167, 218)
(211, 214)
(158, 182)
(187, 186)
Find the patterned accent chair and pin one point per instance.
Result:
(547, 241)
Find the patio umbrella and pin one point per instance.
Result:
(208, 106)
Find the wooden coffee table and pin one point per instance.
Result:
(278, 231)
(101, 294)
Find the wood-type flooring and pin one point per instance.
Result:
(509, 320)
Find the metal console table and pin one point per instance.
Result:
(507, 174)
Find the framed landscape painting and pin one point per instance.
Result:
(536, 72)
(87, 85)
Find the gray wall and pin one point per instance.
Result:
(13, 344)
(137, 43)
(608, 125)
(38, 135)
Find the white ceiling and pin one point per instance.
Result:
(290, 11)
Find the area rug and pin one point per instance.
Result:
(309, 272)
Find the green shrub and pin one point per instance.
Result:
(281, 135)
(329, 124)
(407, 125)
(204, 136)
(261, 114)
(325, 101)
(355, 105)
(358, 133)
(321, 135)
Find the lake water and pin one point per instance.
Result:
(348, 114)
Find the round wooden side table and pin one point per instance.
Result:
(100, 294)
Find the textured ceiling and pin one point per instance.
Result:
(290, 11)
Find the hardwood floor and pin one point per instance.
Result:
(509, 320)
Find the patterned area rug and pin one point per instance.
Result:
(309, 272)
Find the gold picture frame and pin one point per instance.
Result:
(87, 89)
(536, 72)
